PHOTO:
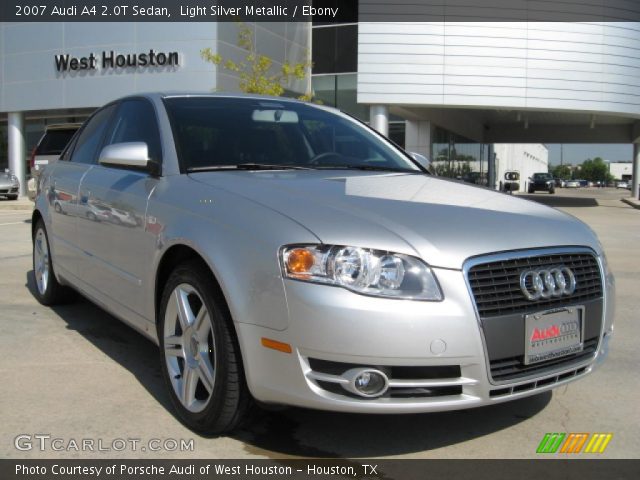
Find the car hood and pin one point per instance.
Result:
(440, 220)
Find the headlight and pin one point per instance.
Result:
(361, 270)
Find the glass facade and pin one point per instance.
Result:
(455, 156)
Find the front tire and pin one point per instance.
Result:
(12, 197)
(200, 356)
(48, 290)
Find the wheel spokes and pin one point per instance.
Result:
(173, 346)
(188, 346)
(185, 314)
(206, 373)
(189, 384)
(202, 324)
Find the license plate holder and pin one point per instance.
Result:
(552, 334)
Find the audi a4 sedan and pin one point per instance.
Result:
(285, 253)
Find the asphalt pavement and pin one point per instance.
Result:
(75, 373)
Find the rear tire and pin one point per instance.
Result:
(48, 289)
(199, 352)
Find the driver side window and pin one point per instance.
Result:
(86, 145)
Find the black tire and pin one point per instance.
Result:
(13, 197)
(552, 190)
(531, 190)
(230, 402)
(54, 293)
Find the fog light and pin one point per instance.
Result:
(366, 382)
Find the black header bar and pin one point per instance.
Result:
(321, 469)
(320, 11)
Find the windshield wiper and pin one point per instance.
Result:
(246, 166)
(373, 168)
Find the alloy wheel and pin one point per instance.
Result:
(41, 261)
(189, 347)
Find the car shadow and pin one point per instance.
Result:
(297, 432)
(121, 343)
(561, 201)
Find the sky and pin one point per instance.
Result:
(577, 153)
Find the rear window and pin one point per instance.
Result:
(54, 142)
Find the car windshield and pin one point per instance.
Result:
(218, 133)
(542, 176)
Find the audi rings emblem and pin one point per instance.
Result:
(548, 282)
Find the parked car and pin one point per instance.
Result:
(49, 147)
(622, 184)
(572, 184)
(542, 181)
(583, 183)
(292, 255)
(9, 185)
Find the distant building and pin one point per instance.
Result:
(524, 158)
(621, 170)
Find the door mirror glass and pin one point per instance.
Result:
(423, 161)
(129, 155)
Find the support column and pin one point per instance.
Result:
(379, 118)
(417, 137)
(17, 157)
(635, 170)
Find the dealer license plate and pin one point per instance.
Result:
(553, 333)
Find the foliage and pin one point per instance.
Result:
(561, 171)
(452, 169)
(595, 170)
(255, 71)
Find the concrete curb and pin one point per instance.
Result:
(631, 201)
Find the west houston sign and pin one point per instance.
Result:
(111, 59)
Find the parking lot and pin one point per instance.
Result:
(75, 372)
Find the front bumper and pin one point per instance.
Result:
(439, 342)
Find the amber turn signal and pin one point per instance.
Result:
(300, 260)
(275, 345)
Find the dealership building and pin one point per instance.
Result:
(455, 92)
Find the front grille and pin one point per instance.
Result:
(513, 368)
(500, 392)
(496, 285)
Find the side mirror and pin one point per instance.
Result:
(423, 161)
(134, 155)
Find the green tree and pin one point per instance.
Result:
(561, 171)
(595, 170)
(255, 71)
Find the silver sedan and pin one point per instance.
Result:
(285, 253)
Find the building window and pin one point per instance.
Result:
(335, 49)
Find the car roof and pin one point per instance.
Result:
(193, 94)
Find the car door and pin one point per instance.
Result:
(118, 251)
(65, 203)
